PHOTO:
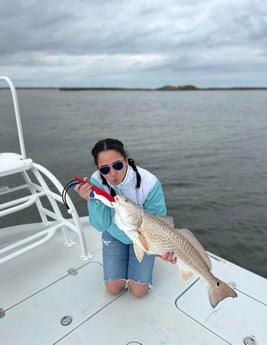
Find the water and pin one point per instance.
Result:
(209, 149)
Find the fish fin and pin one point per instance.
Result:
(195, 243)
(185, 272)
(142, 241)
(218, 291)
(139, 252)
(137, 238)
(166, 219)
(140, 246)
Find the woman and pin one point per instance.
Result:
(118, 174)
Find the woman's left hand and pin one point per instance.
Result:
(170, 257)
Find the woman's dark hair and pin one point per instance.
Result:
(116, 145)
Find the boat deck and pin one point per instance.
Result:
(49, 296)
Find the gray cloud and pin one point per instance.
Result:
(134, 43)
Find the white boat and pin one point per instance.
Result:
(51, 283)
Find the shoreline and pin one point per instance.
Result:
(164, 88)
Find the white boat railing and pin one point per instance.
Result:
(36, 179)
(17, 114)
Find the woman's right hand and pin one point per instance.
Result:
(84, 190)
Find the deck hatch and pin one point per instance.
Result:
(71, 300)
(230, 320)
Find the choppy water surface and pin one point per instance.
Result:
(209, 149)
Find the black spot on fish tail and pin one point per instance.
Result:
(220, 291)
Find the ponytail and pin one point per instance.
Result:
(138, 176)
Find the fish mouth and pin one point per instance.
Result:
(118, 201)
(115, 203)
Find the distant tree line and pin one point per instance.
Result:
(177, 88)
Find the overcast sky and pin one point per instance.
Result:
(134, 43)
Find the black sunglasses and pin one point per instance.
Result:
(106, 169)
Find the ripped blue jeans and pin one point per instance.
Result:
(120, 262)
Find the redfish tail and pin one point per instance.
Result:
(219, 291)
